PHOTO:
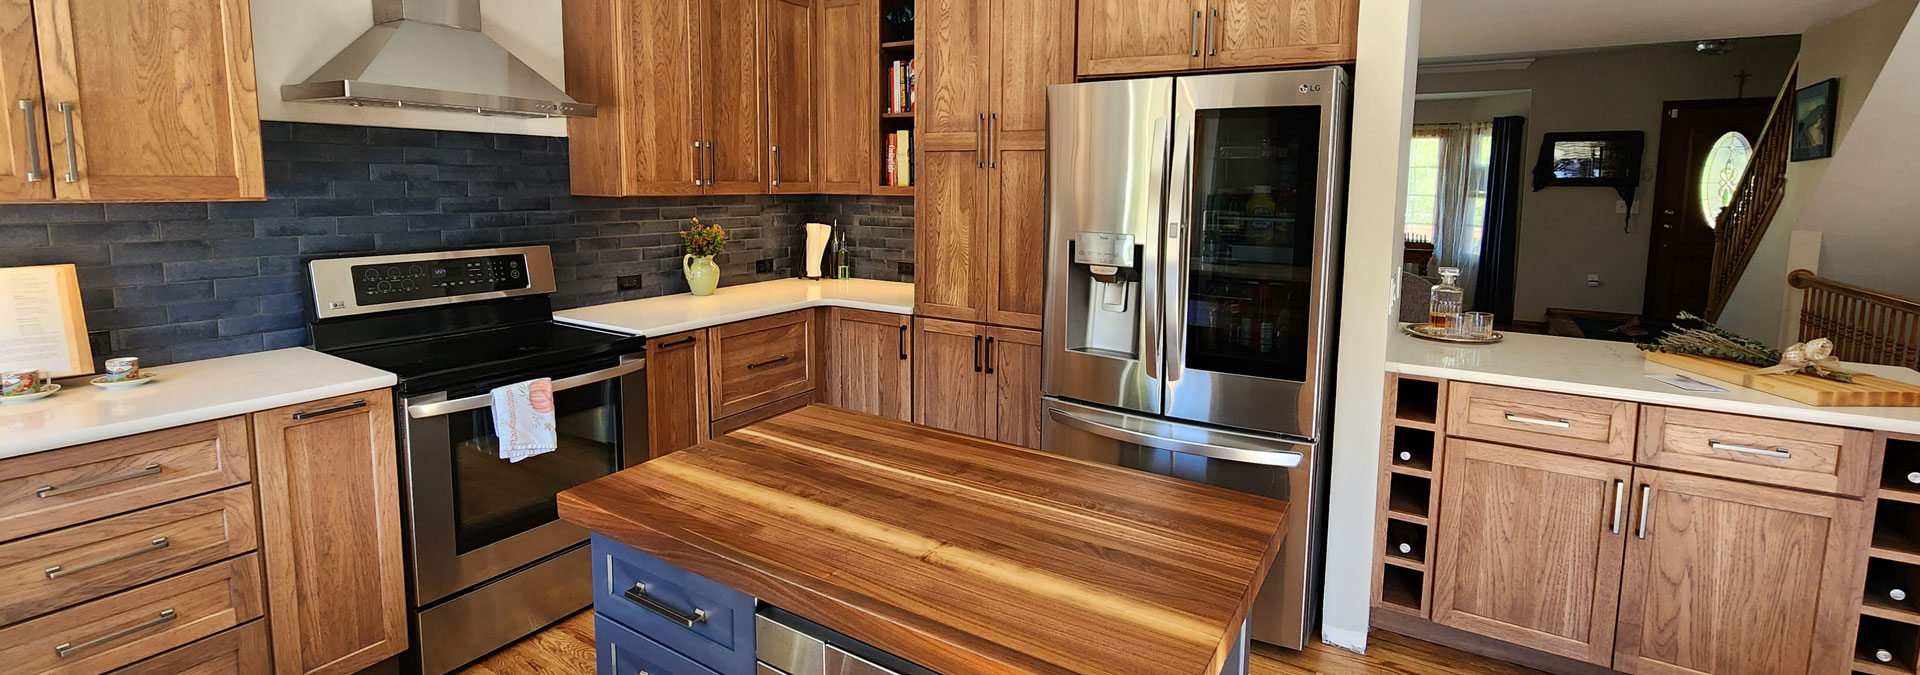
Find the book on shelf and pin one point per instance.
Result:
(900, 87)
(899, 159)
(889, 155)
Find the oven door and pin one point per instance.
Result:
(476, 516)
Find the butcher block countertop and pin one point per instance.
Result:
(958, 553)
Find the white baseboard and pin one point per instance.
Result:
(1350, 640)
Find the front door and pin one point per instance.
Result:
(1704, 146)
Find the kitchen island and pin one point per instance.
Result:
(951, 552)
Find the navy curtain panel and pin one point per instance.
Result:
(1499, 242)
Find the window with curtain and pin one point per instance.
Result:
(1447, 193)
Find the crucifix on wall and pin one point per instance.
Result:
(1741, 76)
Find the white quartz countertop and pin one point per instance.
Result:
(184, 393)
(1618, 370)
(668, 314)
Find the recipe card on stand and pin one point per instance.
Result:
(42, 326)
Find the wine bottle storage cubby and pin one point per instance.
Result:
(1409, 471)
(1406, 542)
(1893, 589)
(1401, 588)
(1409, 496)
(1896, 527)
(1888, 639)
(1900, 474)
(1885, 646)
(1417, 401)
(1413, 449)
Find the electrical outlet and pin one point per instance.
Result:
(1593, 280)
(906, 268)
(763, 266)
(630, 282)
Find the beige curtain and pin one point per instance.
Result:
(1464, 155)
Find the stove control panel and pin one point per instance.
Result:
(379, 284)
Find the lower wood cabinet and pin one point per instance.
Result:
(329, 490)
(676, 392)
(758, 361)
(978, 380)
(870, 367)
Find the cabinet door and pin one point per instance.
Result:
(731, 102)
(788, 26)
(1128, 36)
(24, 167)
(1030, 52)
(329, 481)
(1726, 577)
(870, 363)
(1013, 364)
(950, 386)
(950, 39)
(676, 392)
(636, 60)
(950, 236)
(1529, 548)
(1254, 33)
(161, 95)
(848, 114)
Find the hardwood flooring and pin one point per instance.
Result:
(567, 647)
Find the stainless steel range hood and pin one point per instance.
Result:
(430, 54)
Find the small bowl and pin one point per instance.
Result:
(35, 396)
(102, 382)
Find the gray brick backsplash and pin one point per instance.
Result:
(182, 281)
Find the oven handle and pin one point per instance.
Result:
(424, 410)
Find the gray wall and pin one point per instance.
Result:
(183, 281)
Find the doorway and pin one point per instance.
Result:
(1704, 147)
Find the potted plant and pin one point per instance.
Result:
(703, 242)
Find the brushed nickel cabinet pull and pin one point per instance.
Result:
(712, 161)
(638, 595)
(1522, 419)
(1646, 501)
(73, 153)
(33, 148)
(903, 343)
(356, 403)
(1213, 32)
(1193, 33)
(46, 491)
(65, 649)
(1619, 502)
(699, 165)
(781, 359)
(776, 165)
(989, 356)
(1776, 453)
(682, 341)
(157, 544)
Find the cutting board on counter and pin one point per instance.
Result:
(1866, 390)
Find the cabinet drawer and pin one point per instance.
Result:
(1559, 422)
(239, 651)
(756, 362)
(659, 600)
(57, 569)
(57, 488)
(1790, 454)
(620, 651)
(127, 627)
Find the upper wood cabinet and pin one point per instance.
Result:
(128, 100)
(1123, 37)
(848, 113)
(789, 29)
(870, 362)
(329, 491)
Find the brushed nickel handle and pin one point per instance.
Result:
(776, 165)
(781, 359)
(682, 341)
(1646, 502)
(67, 648)
(33, 148)
(46, 491)
(903, 343)
(1776, 453)
(1619, 502)
(356, 403)
(980, 141)
(1193, 33)
(73, 153)
(1522, 419)
(157, 544)
(993, 140)
(699, 165)
(712, 161)
(638, 595)
(1213, 33)
(989, 356)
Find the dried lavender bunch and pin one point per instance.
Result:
(1716, 342)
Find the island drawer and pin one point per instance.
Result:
(1761, 450)
(708, 622)
(61, 568)
(620, 651)
(239, 651)
(126, 627)
(1559, 422)
(50, 490)
(752, 363)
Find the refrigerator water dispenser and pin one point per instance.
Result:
(1105, 291)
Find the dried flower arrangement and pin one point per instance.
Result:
(1715, 342)
(704, 240)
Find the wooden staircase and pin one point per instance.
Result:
(1757, 199)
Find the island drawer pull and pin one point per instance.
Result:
(1619, 502)
(357, 403)
(1776, 453)
(67, 648)
(46, 491)
(773, 361)
(638, 595)
(1646, 502)
(1522, 419)
(158, 543)
(680, 342)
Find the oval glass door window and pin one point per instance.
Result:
(1720, 174)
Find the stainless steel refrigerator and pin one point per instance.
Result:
(1193, 229)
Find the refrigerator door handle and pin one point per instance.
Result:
(1174, 261)
(1281, 458)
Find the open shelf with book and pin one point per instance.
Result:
(894, 173)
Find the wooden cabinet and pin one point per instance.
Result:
(755, 362)
(982, 132)
(789, 29)
(733, 106)
(129, 100)
(1776, 452)
(870, 362)
(978, 380)
(1726, 577)
(644, 141)
(57, 488)
(238, 651)
(329, 490)
(847, 110)
(676, 392)
(1582, 425)
(1529, 548)
(126, 627)
(1013, 368)
(1121, 37)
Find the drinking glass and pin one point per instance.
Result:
(1476, 325)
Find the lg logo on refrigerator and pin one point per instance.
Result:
(1309, 88)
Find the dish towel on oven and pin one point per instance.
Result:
(523, 419)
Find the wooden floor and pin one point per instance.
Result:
(567, 647)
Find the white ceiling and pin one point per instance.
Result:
(1458, 28)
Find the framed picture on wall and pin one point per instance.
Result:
(1813, 108)
(1589, 159)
